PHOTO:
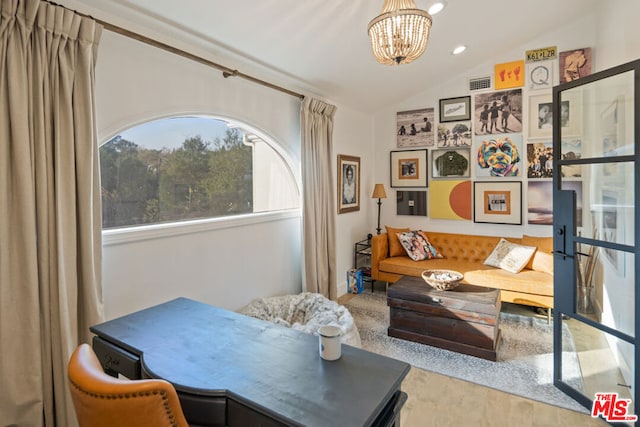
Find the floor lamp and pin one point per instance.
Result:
(379, 193)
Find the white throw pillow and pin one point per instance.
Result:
(509, 256)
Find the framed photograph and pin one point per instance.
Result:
(408, 168)
(571, 113)
(348, 184)
(452, 163)
(540, 160)
(498, 112)
(415, 128)
(540, 116)
(539, 202)
(455, 109)
(497, 202)
(454, 134)
(575, 64)
(411, 203)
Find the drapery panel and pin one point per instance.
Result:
(50, 225)
(318, 212)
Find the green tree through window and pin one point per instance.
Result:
(142, 184)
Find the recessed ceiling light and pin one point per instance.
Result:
(436, 8)
(459, 50)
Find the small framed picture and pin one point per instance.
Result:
(452, 163)
(455, 109)
(497, 202)
(408, 168)
(454, 134)
(540, 116)
(348, 184)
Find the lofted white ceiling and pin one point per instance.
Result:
(322, 47)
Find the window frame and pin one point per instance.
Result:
(136, 233)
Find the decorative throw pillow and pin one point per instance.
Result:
(542, 259)
(509, 256)
(395, 248)
(417, 245)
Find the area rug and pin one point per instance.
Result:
(525, 353)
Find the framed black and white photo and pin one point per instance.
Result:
(540, 116)
(408, 168)
(348, 184)
(455, 109)
(451, 163)
(415, 128)
(497, 202)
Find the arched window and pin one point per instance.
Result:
(185, 168)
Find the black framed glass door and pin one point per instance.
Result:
(596, 175)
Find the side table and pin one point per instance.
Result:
(362, 260)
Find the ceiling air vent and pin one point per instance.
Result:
(479, 83)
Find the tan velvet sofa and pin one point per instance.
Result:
(466, 253)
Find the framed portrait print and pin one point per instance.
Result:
(348, 184)
(408, 168)
(455, 109)
(540, 116)
(497, 202)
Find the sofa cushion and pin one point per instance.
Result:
(395, 247)
(417, 245)
(527, 281)
(542, 259)
(510, 256)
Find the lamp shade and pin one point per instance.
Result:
(378, 192)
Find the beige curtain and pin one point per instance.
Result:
(318, 212)
(50, 225)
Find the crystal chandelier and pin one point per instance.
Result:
(400, 33)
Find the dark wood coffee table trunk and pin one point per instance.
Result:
(465, 319)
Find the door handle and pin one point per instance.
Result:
(564, 254)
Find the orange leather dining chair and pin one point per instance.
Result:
(104, 401)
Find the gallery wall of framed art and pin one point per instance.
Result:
(499, 139)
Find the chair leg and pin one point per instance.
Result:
(548, 316)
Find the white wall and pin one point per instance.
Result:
(353, 136)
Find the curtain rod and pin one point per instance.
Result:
(226, 71)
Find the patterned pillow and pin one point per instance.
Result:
(417, 246)
(509, 256)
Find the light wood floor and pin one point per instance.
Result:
(440, 401)
(437, 400)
